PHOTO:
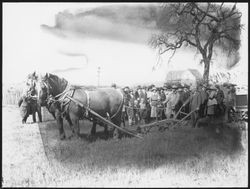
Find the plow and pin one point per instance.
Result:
(141, 129)
(176, 120)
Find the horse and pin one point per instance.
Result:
(107, 102)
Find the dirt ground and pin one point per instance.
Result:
(33, 155)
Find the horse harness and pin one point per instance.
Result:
(65, 97)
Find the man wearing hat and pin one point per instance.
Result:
(131, 108)
(229, 100)
(175, 98)
(212, 102)
(171, 101)
(204, 97)
(195, 103)
(220, 99)
(126, 104)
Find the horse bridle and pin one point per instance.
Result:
(48, 87)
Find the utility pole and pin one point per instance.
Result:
(98, 76)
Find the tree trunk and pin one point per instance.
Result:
(206, 71)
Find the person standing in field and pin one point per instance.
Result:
(125, 104)
(153, 103)
(220, 100)
(195, 102)
(131, 105)
(167, 102)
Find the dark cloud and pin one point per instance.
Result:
(119, 22)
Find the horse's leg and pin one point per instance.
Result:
(77, 126)
(93, 129)
(34, 116)
(24, 119)
(70, 122)
(59, 120)
(116, 133)
(39, 112)
(123, 118)
(67, 117)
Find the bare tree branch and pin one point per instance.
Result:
(202, 26)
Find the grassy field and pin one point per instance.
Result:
(173, 158)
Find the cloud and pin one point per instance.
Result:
(124, 23)
(74, 55)
(66, 70)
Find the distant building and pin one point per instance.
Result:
(189, 76)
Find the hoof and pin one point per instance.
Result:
(62, 137)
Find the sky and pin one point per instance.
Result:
(32, 43)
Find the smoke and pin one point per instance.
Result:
(65, 70)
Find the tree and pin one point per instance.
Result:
(201, 26)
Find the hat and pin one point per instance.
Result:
(174, 86)
(212, 88)
(154, 89)
(126, 89)
(179, 85)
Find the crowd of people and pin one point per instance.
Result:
(146, 104)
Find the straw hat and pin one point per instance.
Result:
(174, 86)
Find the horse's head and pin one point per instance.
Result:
(43, 89)
(50, 85)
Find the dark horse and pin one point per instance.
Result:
(107, 102)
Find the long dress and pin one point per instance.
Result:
(153, 101)
(168, 110)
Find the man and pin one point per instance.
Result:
(175, 97)
(126, 104)
(186, 96)
(195, 103)
(229, 100)
(212, 103)
(220, 99)
(160, 110)
(171, 101)
(142, 104)
(204, 98)
(131, 107)
(28, 102)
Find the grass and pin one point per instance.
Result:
(182, 151)
(173, 158)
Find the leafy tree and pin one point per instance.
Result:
(202, 26)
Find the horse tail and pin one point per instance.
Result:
(20, 102)
(121, 104)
